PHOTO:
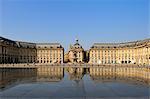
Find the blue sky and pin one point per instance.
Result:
(64, 20)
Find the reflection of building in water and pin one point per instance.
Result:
(76, 53)
(50, 73)
(13, 76)
(136, 74)
(54, 74)
(136, 52)
(10, 75)
(75, 73)
(76, 77)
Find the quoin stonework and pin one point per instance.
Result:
(135, 52)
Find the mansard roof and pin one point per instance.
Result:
(7, 41)
(124, 44)
(48, 45)
(22, 44)
(25, 44)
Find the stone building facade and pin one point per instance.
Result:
(66, 57)
(25, 52)
(76, 53)
(8, 51)
(50, 53)
(136, 52)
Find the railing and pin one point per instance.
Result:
(86, 65)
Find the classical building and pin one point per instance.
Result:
(25, 52)
(86, 56)
(66, 57)
(76, 53)
(50, 53)
(136, 52)
(8, 51)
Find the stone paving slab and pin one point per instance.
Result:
(75, 98)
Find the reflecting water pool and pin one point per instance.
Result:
(74, 83)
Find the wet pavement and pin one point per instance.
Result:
(73, 87)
